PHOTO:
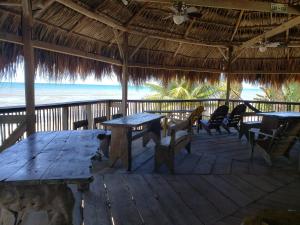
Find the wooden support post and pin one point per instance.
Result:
(228, 71)
(89, 116)
(65, 118)
(125, 75)
(28, 65)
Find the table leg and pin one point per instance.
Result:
(154, 132)
(121, 138)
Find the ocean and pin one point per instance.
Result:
(12, 93)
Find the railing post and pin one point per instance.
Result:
(65, 118)
(89, 116)
(108, 103)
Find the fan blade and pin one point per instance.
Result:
(191, 10)
(272, 44)
(174, 9)
(125, 2)
(196, 14)
(167, 17)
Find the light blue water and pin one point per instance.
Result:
(12, 93)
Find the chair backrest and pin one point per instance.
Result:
(180, 131)
(236, 115)
(284, 138)
(218, 116)
(251, 107)
(116, 116)
(99, 120)
(80, 124)
(196, 114)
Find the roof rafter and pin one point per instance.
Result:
(277, 30)
(246, 5)
(237, 24)
(116, 25)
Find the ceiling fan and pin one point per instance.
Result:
(264, 45)
(182, 13)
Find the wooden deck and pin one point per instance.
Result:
(215, 185)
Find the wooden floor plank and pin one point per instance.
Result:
(151, 211)
(225, 205)
(205, 164)
(188, 165)
(258, 181)
(222, 166)
(200, 206)
(122, 207)
(246, 188)
(171, 203)
(228, 190)
(96, 210)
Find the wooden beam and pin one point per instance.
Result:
(125, 75)
(247, 5)
(189, 28)
(131, 20)
(174, 68)
(11, 3)
(43, 9)
(120, 47)
(84, 20)
(116, 25)
(283, 27)
(237, 25)
(29, 69)
(59, 49)
(228, 81)
(223, 54)
(138, 47)
(96, 16)
(177, 50)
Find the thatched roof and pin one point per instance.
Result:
(77, 38)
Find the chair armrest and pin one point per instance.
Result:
(256, 131)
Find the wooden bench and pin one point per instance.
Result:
(180, 137)
(40, 168)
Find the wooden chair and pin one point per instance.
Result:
(116, 116)
(277, 144)
(215, 120)
(81, 124)
(246, 126)
(234, 118)
(179, 138)
(194, 117)
(98, 121)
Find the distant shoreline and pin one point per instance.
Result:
(13, 93)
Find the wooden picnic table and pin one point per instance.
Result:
(35, 172)
(122, 135)
(272, 120)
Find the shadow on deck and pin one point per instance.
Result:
(215, 185)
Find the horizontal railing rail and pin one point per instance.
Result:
(61, 116)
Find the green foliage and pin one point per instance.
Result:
(183, 89)
(288, 93)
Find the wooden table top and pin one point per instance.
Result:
(286, 115)
(134, 120)
(50, 157)
(171, 111)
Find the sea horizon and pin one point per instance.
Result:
(13, 93)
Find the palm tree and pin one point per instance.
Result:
(183, 89)
(289, 92)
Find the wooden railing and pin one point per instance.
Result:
(61, 116)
